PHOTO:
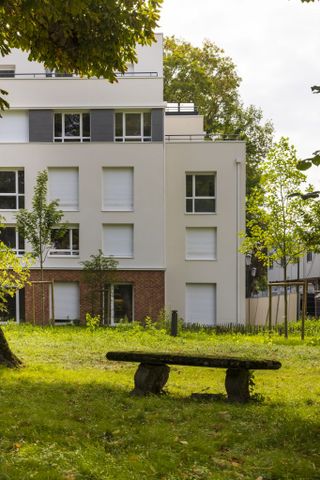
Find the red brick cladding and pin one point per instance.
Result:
(148, 288)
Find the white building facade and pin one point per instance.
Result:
(142, 186)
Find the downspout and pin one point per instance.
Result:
(238, 223)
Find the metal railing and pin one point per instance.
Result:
(181, 108)
(202, 137)
(73, 75)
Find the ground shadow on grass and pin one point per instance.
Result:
(69, 430)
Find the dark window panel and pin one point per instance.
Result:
(119, 130)
(21, 181)
(204, 186)
(20, 202)
(133, 124)
(8, 203)
(72, 124)
(189, 185)
(204, 205)
(189, 205)
(86, 124)
(7, 182)
(8, 237)
(147, 124)
(58, 125)
(75, 239)
(122, 302)
(21, 245)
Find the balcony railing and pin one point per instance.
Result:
(73, 75)
(181, 109)
(201, 138)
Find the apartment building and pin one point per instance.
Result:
(133, 180)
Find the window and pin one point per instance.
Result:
(309, 257)
(118, 303)
(14, 127)
(66, 244)
(64, 187)
(200, 193)
(133, 127)
(11, 238)
(201, 243)
(72, 127)
(11, 189)
(118, 189)
(66, 302)
(118, 240)
(7, 71)
(201, 303)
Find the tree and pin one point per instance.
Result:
(98, 272)
(87, 37)
(278, 217)
(37, 224)
(14, 274)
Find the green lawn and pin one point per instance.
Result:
(68, 414)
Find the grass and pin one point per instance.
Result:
(67, 415)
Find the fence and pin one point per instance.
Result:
(257, 309)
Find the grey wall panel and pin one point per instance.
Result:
(157, 124)
(102, 125)
(40, 126)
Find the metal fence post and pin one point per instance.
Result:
(174, 323)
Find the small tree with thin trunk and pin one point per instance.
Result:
(277, 214)
(36, 225)
(14, 274)
(98, 273)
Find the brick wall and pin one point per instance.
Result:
(148, 293)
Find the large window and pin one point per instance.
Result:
(11, 189)
(11, 238)
(64, 187)
(118, 189)
(119, 303)
(133, 127)
(118, 240)
(201, 243)
(200, 193)
(65, 243)
(72, 127)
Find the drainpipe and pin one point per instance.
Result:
(238, 224)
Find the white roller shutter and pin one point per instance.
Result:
(201, 303)
(118, 241)
(64, 186)
(201, 243)
(14, 127)
(118, 189)
(66, 301)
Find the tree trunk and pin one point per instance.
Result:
(7, 358)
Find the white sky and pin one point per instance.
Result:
(275, 45)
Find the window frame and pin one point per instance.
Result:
(67, 138)
(17, 195)
(66, 252)
(17, 237)
(132, 138)
(194, 197)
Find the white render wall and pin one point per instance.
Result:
(227, 159)
(147, 161)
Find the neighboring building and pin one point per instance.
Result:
(169, 208)
(307, 268)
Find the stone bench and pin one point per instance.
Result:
(153, 371)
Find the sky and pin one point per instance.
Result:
(275, 45)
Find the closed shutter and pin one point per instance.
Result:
(63, 186)
(14, 127)
(201, 303)
(118, 189)
(157, 129)
(66, 301)
(102, 125)
(118, 241)
(41, 126)
(201, 243)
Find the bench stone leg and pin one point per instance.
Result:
(237, 385)
(150, 379)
